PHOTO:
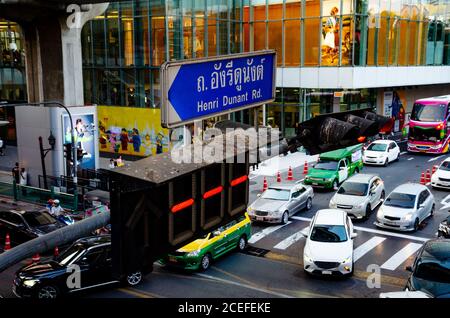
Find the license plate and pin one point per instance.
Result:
(260, 218)
(172, 259)
(315, 183)
(326, 272)
(389, 223)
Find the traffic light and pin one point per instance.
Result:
(337, 130)
(67, 149)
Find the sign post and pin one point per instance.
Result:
(200, 88)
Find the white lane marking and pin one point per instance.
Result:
(365, 229)
(364, 248)
(284, 244)
(398, 258)
(403, 152)
(409, 159)
(259, 235)
(243, 285)
(445, 203)
(436, 158)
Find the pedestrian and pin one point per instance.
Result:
(56, 209)
(16, 173)
(112, 163)
(159, 145)
(2, 147)
(49, 206)
(23, 180)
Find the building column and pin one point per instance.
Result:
(54, 73)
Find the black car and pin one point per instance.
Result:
(444, 228)
(431, 269)
(23, 226)
(51, 279)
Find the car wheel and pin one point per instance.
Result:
(383, 195)
(398, 157)
(416, 224)
(335, 185)
(134, 279)
(432, 210)
(308, 204)
(285, 217)
(356, 170)
(205, 262)
(48, 292)
(242, 244)
(386, 162)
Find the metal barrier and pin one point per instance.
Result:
(37, 195)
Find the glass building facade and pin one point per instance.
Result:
(124, 48)
(350, 32)
(12, 75)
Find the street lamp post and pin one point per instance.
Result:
(44, 152)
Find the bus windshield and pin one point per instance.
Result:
(424, 134)
(430, 113)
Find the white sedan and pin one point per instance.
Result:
(381, 152)
(441, 178)
(329, 244)
(406, 208)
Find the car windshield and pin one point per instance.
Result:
(38, 218)
(353, 188)
(431, 113)
(377, 147)
(326, 165)
(70, 254)
(434, 271)
(401, 200)
(445, 166)
(276, 194)
(329, 233)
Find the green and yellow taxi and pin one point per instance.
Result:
(199, 254)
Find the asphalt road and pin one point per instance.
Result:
(272, 265)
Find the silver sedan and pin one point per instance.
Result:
(280, 201)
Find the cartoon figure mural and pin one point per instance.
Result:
(133, 131)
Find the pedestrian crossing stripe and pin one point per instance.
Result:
(367, 246)
(284, 244)
(398, 258)
(259, 235)
(391, 264)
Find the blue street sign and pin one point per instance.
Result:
(201, 88)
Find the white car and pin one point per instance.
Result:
(441, 178)
(406, 294)
(329, 244)
(359, 195)
(406, 208)
(381, 152)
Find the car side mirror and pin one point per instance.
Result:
(304, 232)
(409, 268)
(258, 195)
(354, 235)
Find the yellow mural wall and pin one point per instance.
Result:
(131, 131)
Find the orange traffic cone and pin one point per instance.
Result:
(56, 252)
(290, 174)
(7, 243)
(305, 168)
(428, 176)
(278, 177)
(265, 185)
(36, 258)
(434, 169)
(422, 178)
